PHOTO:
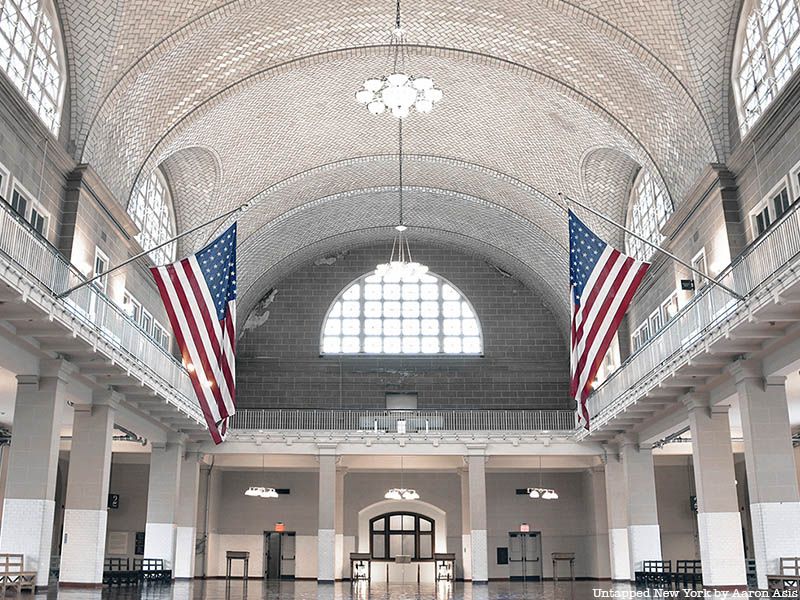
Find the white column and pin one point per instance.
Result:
(595, 498)
(29, 504)
(83, 543)
(477, 516)
(186, 521)
(719, 523)
(466, 528)
(162, 502)
(770, 463)
(326, 531)
(644, 535)
(342, 563)
(617, 511)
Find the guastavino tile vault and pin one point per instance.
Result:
(396, 340)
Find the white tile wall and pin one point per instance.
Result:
(722, 549)
(644, 543)
(480, 555)
(27, 529)
(83, 545)
(184, 552)
(620, 555)
(776, 533)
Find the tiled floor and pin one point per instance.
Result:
(309, 590)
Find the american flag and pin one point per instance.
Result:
(199, 293)
(603, 281)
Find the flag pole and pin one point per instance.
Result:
(710, 279)
(148, 251)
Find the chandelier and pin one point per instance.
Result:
(541, 492)
(257, 491)
(401, 493)
(399, 92)
(401, 266)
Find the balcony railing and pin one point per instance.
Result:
(771, 255)
(402, 421)
(24, 247)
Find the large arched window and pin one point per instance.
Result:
(421, 316)
(401, 534)
(768, 48)
(31, 55)
(151, 209)
(650, 209)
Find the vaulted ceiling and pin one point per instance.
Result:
(254, 100)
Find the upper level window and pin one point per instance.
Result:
(151, 209)
(650, 209)
(31, 55)
(401, 534)
(769, 52)
(421, 316)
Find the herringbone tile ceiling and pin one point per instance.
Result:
(249, 99)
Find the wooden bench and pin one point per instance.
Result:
(152, 569)
(654, 572)
(789, 578)
(117, 571)
(688, 572)
(13, 574)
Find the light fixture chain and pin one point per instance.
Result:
(400, 162)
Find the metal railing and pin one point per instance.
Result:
(403, 421)
(24, 247)
(772, 254)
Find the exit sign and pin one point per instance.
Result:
(524, 527)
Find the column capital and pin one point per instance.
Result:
(327, 449)
(627, 439)
(696, 401)
(742, 370)
(107, 397)
(57, 367)
(720, 409)
(27, 383)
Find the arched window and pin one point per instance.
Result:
(151, 209)
(31, 55)
(768, 48)
(421, 316)
(401, 534)
(650, 209)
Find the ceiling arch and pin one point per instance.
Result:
(479, 227)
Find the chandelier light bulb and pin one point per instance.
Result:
(376, 107)
(364, 96)
(269, 493)
(424, 105)
(399, 93)
(254, 491)
(373, 84)
(534, 493)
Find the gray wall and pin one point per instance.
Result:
(525, 363)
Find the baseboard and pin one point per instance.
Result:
(77, 585)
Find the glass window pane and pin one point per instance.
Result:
(408, 522)
(391, 291)
(373, 326)
(352, 293)
(391, 309)
(372, 291)
(410, 327)
(351, 326)
(395, 545)
(410, 291)
(379, 524)
(391, 327)
(425, 525)
(351, 309)
(408, 546)
(425, 546)
(429, 291)
(396, 522)
(373, 345)
(410, 345)
(378, 546)
(333, 327)
(451, 309)
(410, 310)
(430, 345)
(452, 345)
(350, 344)
(391, 345)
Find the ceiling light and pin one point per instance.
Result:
(399, 92)
(254, 491)
(259, 491)
(401, 493)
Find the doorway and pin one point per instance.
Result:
(525, 555)
(279, 554)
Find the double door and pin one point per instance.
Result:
(525, 555)
(279, 549)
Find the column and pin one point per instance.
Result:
(29, 504)
(342, 562)
(186, 517)
(466, 527)
(617, 511)
(162, 502)
(770, 464)
(326, 532)
(83, 543)
(477, 517)
(719, 523)
(644, 535)
(595, 497)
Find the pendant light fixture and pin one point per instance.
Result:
(255, 491)
(399, 92)
(401, 493)
(401, 266)
(541, 492)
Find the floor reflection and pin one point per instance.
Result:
(238, 589)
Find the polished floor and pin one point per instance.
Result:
(308, 590)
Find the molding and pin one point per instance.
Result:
(84, 177)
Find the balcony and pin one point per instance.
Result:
(403, 422)
(708, 332)
(87, 327)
